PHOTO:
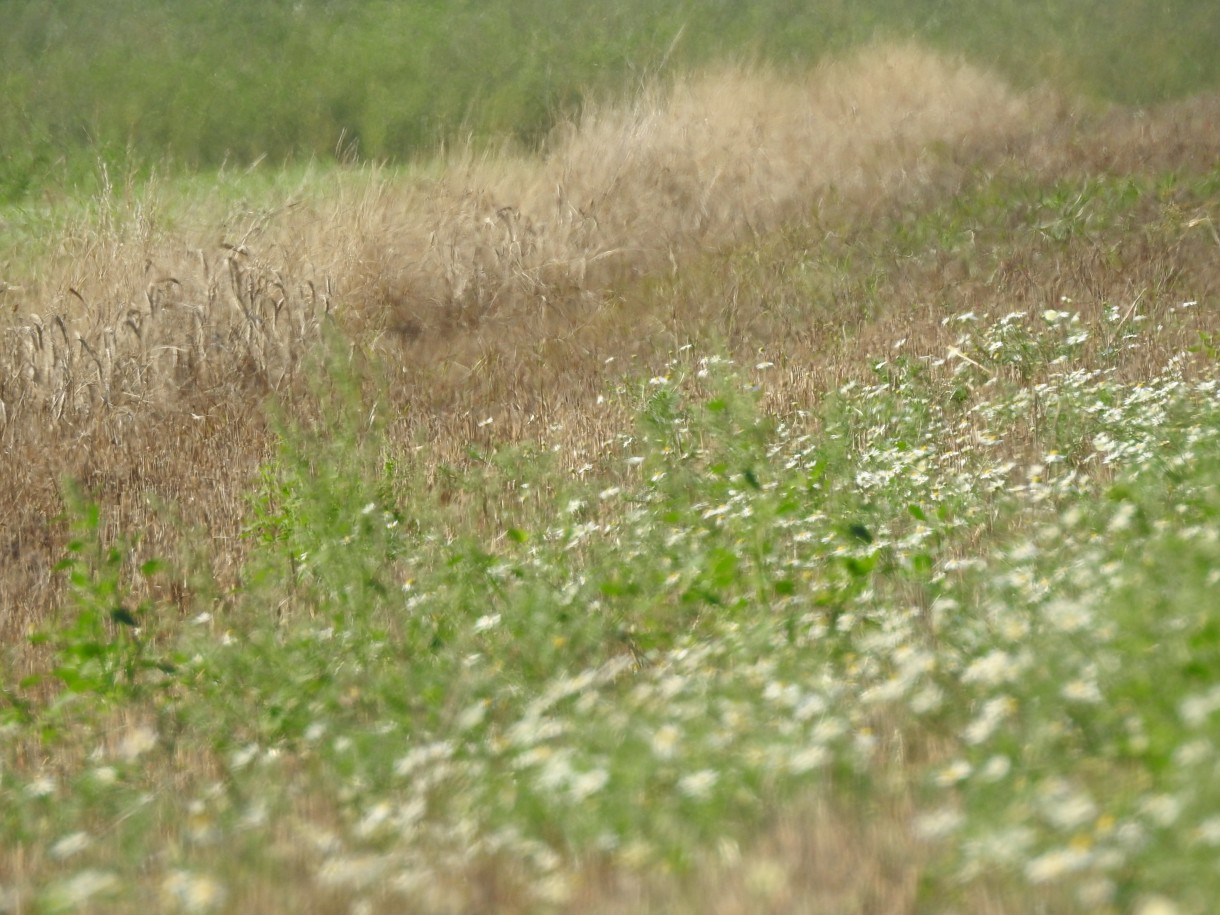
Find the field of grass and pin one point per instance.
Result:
(141, 86)
(792, 490)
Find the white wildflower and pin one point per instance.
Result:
(996, 768)
(70, 845)
(665, 741)
(243, 756)
(956, 771)
(1208, 832)
(315, 732)
(187, 892)
(584, 784)
(1195, 710)
(888, 691)
(808, 759)
(472, 716)
(1069, 616)
(79, 890)
(422, 757)
(993, 669)
(1065, 806)
(994, 712)
(138, 741)
(938, 824)
(489, 621)
(1083, 691)
(534, 729)
(927, 700)
(1056, 864)
(829, 730)
(41, 786)
(556, 770)
(698, 785)
(808, 706)
(1162, 809)
(373, 821)
(105, 775)
(1157, 905)
(1122, 518)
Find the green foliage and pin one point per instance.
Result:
(199, 84)
(324, 510)
(105, 642)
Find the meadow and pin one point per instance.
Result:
(211, 83)
(773, 484)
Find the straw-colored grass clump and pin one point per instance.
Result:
(128, 312)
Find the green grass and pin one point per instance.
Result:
(198, 85)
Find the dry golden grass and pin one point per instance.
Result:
(140, 359)
(131, 312)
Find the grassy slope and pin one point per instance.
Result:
(527, 598)
(134, 84)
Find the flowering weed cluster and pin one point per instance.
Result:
(985, 576)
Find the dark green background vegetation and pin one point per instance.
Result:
(199, 83)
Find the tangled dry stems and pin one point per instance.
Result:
(134, 314)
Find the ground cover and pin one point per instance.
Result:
(840, 541)
(138, 87)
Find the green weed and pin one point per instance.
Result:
(105, 641)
